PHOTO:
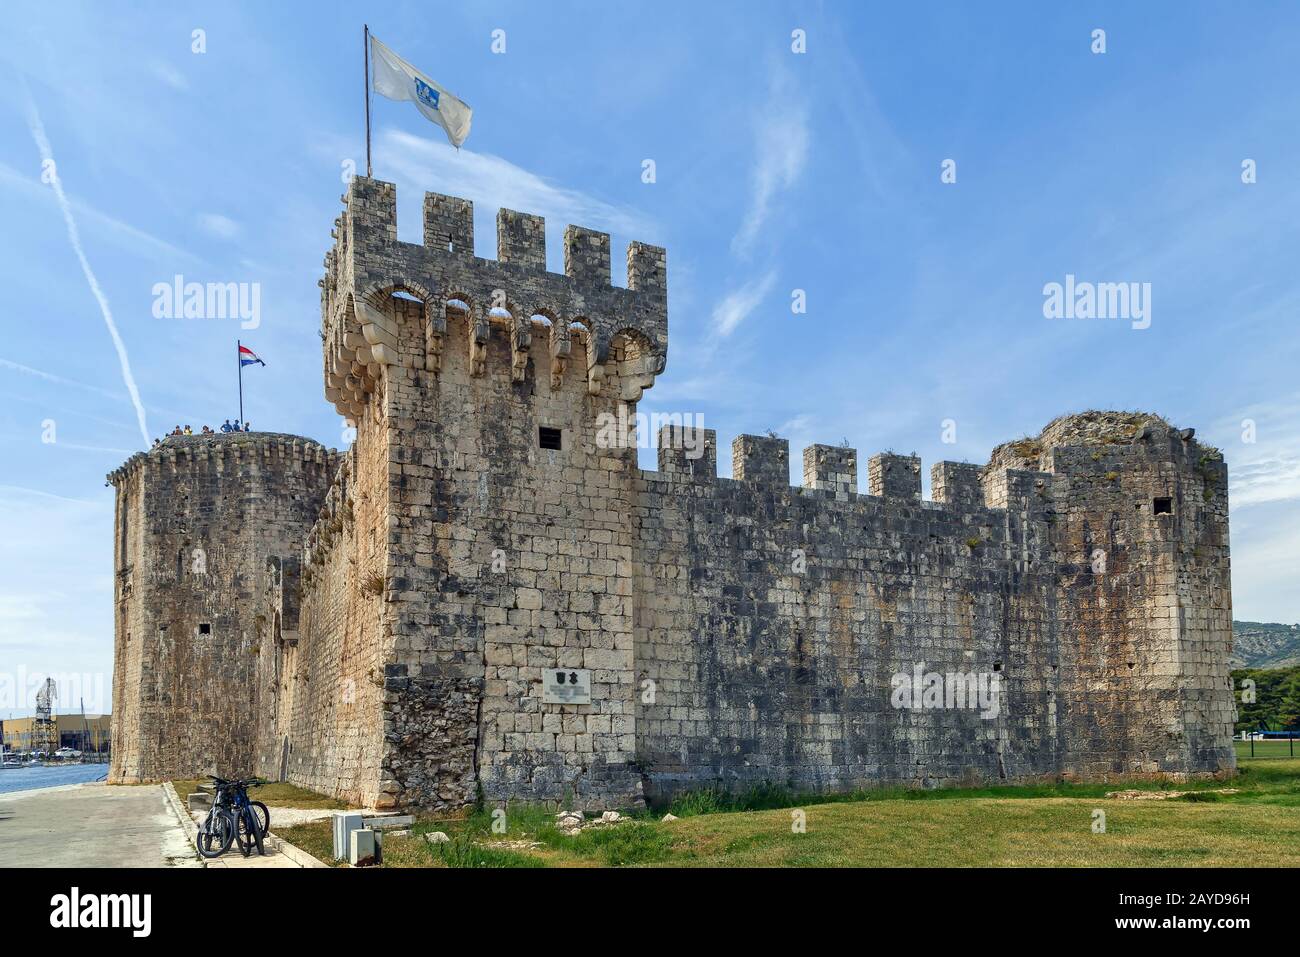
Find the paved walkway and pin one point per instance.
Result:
(92, 825)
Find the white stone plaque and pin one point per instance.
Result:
(566, 686)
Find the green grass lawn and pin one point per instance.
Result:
(273, 794)
(1049, 825)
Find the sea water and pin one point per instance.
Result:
(24, 779)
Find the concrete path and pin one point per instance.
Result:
(92, 825)
(275, 857)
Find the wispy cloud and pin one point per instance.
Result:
(781, 152)
(64, 382)
(55, 379)
(1273, 479)
(92, 448)
(495, 182)
(866, 127)
(74, 237)
(1265, 564)
(22, 490)
(169, 75)
(124, 234)
(222, 227)
(795, 427)
(19, 609)
(736, 306)
(1266, 468)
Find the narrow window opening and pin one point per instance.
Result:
(1163, 506)
(205, 628)
(549, 438)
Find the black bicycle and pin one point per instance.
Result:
(252, 819)
(217, 829)
(233, 818)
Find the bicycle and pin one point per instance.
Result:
(233, 818)
(217, 831)
(250, 825)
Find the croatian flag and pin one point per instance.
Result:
(247, 357)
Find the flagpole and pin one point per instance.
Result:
(239, 361)
(366, 35)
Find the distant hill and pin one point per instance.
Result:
(1258, 644)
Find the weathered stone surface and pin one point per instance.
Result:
(197, 518)
(738, 630)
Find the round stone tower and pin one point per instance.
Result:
(197, 517)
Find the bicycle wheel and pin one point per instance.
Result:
(263, 816)
(216, 833)
(248, 831)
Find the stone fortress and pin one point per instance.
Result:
(395, 625)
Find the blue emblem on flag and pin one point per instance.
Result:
(426, 94)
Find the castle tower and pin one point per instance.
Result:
(195, 520)
(487, 515)
(1145, 596)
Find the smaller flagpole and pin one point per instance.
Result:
(367, 61)
(239, 360)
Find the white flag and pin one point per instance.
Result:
(396, 79)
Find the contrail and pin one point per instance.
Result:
(56, 379)
(47, 162)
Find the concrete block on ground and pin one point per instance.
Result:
(388, 822)
(344, 823)
(364, 846)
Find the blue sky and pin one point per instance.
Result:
(775, 171)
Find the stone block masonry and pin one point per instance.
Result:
(196, 520)
(483, 531)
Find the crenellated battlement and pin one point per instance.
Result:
(575, 315)
(223, 449)
(894, 476)
(831, 467)
(1086, 450)
(957, 484)
(764, 459)
(969, 501)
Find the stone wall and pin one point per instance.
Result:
(324, 728)
(772, 619)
